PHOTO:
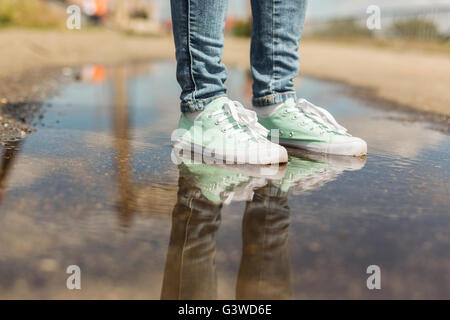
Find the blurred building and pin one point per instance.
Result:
(137, 16)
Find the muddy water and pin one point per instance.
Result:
(95, 187)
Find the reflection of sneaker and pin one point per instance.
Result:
(226, 183)
(342, 163)
(226, 131)
(307, 172)
(306, 126)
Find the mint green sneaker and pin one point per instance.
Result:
(304, 174)
(221, 184)
(306, 126)
(307, 172)
(226, 131)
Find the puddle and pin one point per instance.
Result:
(95, 187)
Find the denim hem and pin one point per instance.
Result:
(274, 99)
(198, 105)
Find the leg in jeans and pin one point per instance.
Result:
(210, 123)
(277, 29)
(198, 32)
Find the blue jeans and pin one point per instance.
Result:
(198, 27)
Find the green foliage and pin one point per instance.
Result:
(415, 28)
(6, 12)
(344, 28)
(139, 14)
(242, 29)
(30, 13)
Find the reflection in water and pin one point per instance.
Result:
(190, 267)
(265, 270)
(146, 197)
(9, 153)
(103, 157)
(120, 126)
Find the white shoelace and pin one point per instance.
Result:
(243, 119)
(321, 116)
(315, 117)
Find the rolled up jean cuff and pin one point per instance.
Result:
(274, 99)
(198, 105)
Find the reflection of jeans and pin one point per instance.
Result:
(198, 31)
(190, 271)
(265, 271)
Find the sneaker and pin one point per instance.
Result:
(308, 171)
(304, 175)
(226, 131)
(221, 184)
(306, 126)
(339, 163)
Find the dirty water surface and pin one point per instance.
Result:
(95, 187)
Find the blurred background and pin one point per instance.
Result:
(92, 183)
(418, 19)
(405, 60)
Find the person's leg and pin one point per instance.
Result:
(211, 123)
(277, 29)
(198, 27)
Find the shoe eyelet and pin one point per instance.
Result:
(281, 133)
(291, 134)
(223, 130)
(216, 123)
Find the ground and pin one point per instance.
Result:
(408, 76)
(94, 186)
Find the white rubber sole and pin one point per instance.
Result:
(340, 162)
(257, 157)
(356, 148)
(271, 172)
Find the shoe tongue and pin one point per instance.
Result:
(290, 103)
(216, 104)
